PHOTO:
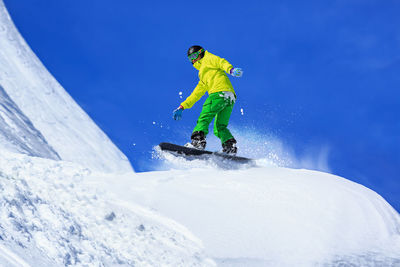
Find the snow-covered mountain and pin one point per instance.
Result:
(39, 118)
(69, 197)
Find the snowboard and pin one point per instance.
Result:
(187, 151)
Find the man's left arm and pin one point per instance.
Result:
(223, 64)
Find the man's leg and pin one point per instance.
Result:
(222, 132)
(221, 124)
(206, 116)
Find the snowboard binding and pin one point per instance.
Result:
(198, 140)
(229, 147)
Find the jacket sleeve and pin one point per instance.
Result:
(197, 93)
(220, 63)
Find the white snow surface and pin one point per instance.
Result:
(56, 213)
(39, 118)
(51, 216)
(268, 215)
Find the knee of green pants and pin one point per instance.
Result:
(219, 128)
(205, 118)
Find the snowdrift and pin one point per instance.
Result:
(49, 217)
(39, 118)
(270, 216)
(56, 213)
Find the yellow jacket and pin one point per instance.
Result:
(212, 78)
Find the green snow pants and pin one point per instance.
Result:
(220, 106)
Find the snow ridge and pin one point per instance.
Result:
(36, 94)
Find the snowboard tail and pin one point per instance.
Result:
(187, 151)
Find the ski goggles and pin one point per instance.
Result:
(195, 55)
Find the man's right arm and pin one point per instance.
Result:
(197, 93)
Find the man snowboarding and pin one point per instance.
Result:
(219, 103)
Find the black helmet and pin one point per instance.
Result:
(194, 52)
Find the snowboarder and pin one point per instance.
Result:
(219, 103)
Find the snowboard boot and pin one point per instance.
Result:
(229, 147)
(198, 140)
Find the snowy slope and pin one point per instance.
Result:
(55, 213)
(45, 121)
(270, 216)
(49, 217)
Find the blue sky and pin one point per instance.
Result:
(318, 75)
